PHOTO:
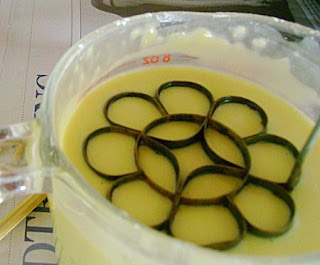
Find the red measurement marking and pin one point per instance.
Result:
(187, 56)
(154, 59)
(166, 58)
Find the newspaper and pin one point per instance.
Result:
(34, 34)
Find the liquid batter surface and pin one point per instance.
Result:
(283, 121)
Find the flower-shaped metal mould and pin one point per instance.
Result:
(184, 209)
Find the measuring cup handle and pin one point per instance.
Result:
(21, 170)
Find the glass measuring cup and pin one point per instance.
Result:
(88, 229)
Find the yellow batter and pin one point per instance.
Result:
(284, 121)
